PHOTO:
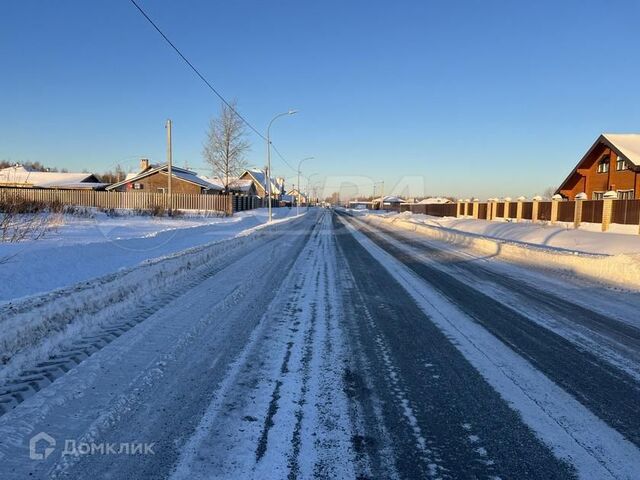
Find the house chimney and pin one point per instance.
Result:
(144, 164)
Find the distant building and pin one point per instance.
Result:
(22, 177)
(433, 200)
(294, 194)
(611, 164)
(258, 178)
(154, 179)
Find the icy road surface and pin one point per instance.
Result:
(324, 347)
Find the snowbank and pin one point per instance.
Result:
(33, 328)
(82, 248)
(597, 257)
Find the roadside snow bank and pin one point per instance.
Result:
(33, 329)
(586, 239)
(83, 248)
(619, 269)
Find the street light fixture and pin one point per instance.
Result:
(299, 165)
(268, 179)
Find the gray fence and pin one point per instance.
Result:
(129, 200)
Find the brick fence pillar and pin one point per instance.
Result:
(519, 211)
(577, 214)
(505, 214)
(476, 207)
(607, 207)
(534, 211)
(459, 209)
(554, 211)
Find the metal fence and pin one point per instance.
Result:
(592, 211)
(566, 211)
(128, 200)
(544, 211)
(626, 212)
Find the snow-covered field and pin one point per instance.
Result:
(80, 248)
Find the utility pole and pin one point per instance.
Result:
(268, 179)
(382, 195)
(169, 162)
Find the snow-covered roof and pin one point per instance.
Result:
(393, 199)
(431, 200)
(23, 177)
(236, 184)
(260, 177)
(177, 172)
(626, 143)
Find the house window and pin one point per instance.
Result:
(137, 186)
(603, 165)
(621, 164)
(625, 194)
(598, 195)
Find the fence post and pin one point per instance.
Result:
(505, 212)
(554, 210)
(458, 209)
(577, 214)
(607, 208)
(519, 211)
(476, 207)
(534, 211)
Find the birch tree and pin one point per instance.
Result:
(226, 145)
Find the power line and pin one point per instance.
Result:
(197, 72)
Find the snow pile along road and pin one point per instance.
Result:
(85, 248)
(596, 264)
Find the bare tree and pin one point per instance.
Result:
(226, 144)
(549, 192)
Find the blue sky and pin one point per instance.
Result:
(462, 98)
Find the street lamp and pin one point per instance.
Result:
(268, 179)
(299, 165)
(309, 186)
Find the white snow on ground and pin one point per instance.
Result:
(622, 269)
(82, 248)
(571, 430)
(586, 239)
(36, 327)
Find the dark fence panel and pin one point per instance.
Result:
(419, 208)
(527, 210)
(566, 211)
(592, 211)
(625, 212)
(442, 209)
(500, 210)
(482, 211)
(513, 210)
(544, 211)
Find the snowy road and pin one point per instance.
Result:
(326, 347)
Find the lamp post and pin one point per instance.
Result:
(268, 179)
(299, 165)
(309, 186)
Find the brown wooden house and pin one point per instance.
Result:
(154, 179)
(611, 164)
